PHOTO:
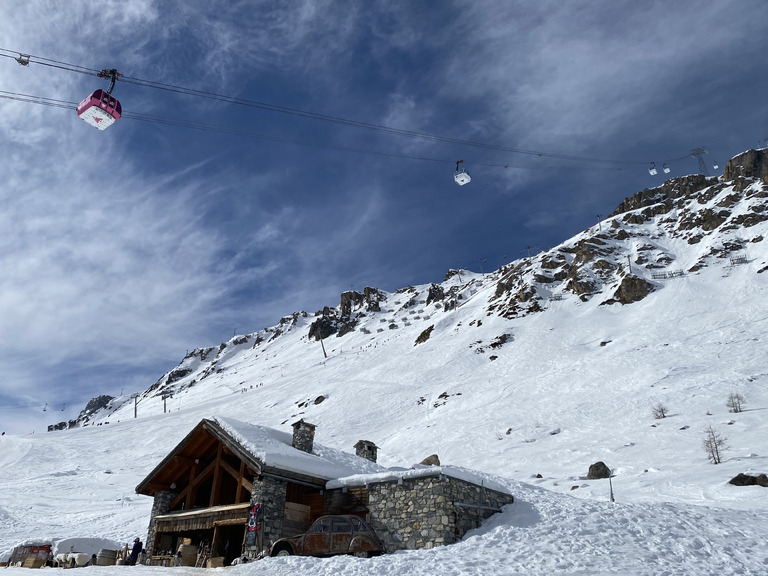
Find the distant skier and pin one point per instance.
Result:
(135, 551)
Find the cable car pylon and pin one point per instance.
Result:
(698, 153)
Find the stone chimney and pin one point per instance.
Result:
(303, 436)
(366, 449)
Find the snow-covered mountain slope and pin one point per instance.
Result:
(530, 373)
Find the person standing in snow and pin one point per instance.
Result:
(135, 551)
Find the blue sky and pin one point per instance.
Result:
(120, 250)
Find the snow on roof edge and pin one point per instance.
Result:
(420, 471)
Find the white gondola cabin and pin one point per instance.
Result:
(461, 176)
(652, 170)
(665, 168)
(100, 109)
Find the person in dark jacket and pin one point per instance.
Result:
(135, 551)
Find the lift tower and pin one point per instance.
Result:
(698, 153)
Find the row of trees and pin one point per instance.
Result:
(713, 443)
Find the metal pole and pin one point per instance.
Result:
(611, 485)
(320, 333)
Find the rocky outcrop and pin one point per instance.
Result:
(632, 289)
(424, 336)
(749, 164)
(665, 194)
(435, 294)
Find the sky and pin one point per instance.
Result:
(120, 250)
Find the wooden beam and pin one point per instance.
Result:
(231, 471)
(182, 497)
(188, 503)
(216, 485)
(247, 484)
(239, 482)
(215, 540)
(195, 479)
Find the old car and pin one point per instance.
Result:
(331, 535)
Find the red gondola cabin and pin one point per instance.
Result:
(100, 109)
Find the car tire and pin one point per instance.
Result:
(284, 552)
(364, 554)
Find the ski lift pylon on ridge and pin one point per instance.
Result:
(101, 109)
(461, 176)
(652, 170)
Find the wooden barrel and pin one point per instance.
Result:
(106, 557)
(188, 555)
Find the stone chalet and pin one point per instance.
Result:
(232, 488)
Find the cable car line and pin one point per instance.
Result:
(318, 116)
(180, 123)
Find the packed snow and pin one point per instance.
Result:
(571, 385)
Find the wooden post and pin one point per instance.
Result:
(216, 484)
(188, 505)
(240, 482)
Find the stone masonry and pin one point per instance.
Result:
(303, 436)
(162, 502)
(269, 493)
(429, 511)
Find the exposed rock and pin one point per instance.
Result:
(665, 194)
(452, 272)
(633, 289)
(598, 470)
(750, 164)
(500, 340)
(435, 294)
(424, 336)
(177, 374)
(350, 299)
(580, 287)
(705, 219)
(747, 480)
(431, 461)
(323, 327)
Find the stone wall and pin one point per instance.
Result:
(429, 511)
(162, 502)
(270, 494)
(474, 504)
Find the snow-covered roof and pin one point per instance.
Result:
(420, 471)
(274, 449)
